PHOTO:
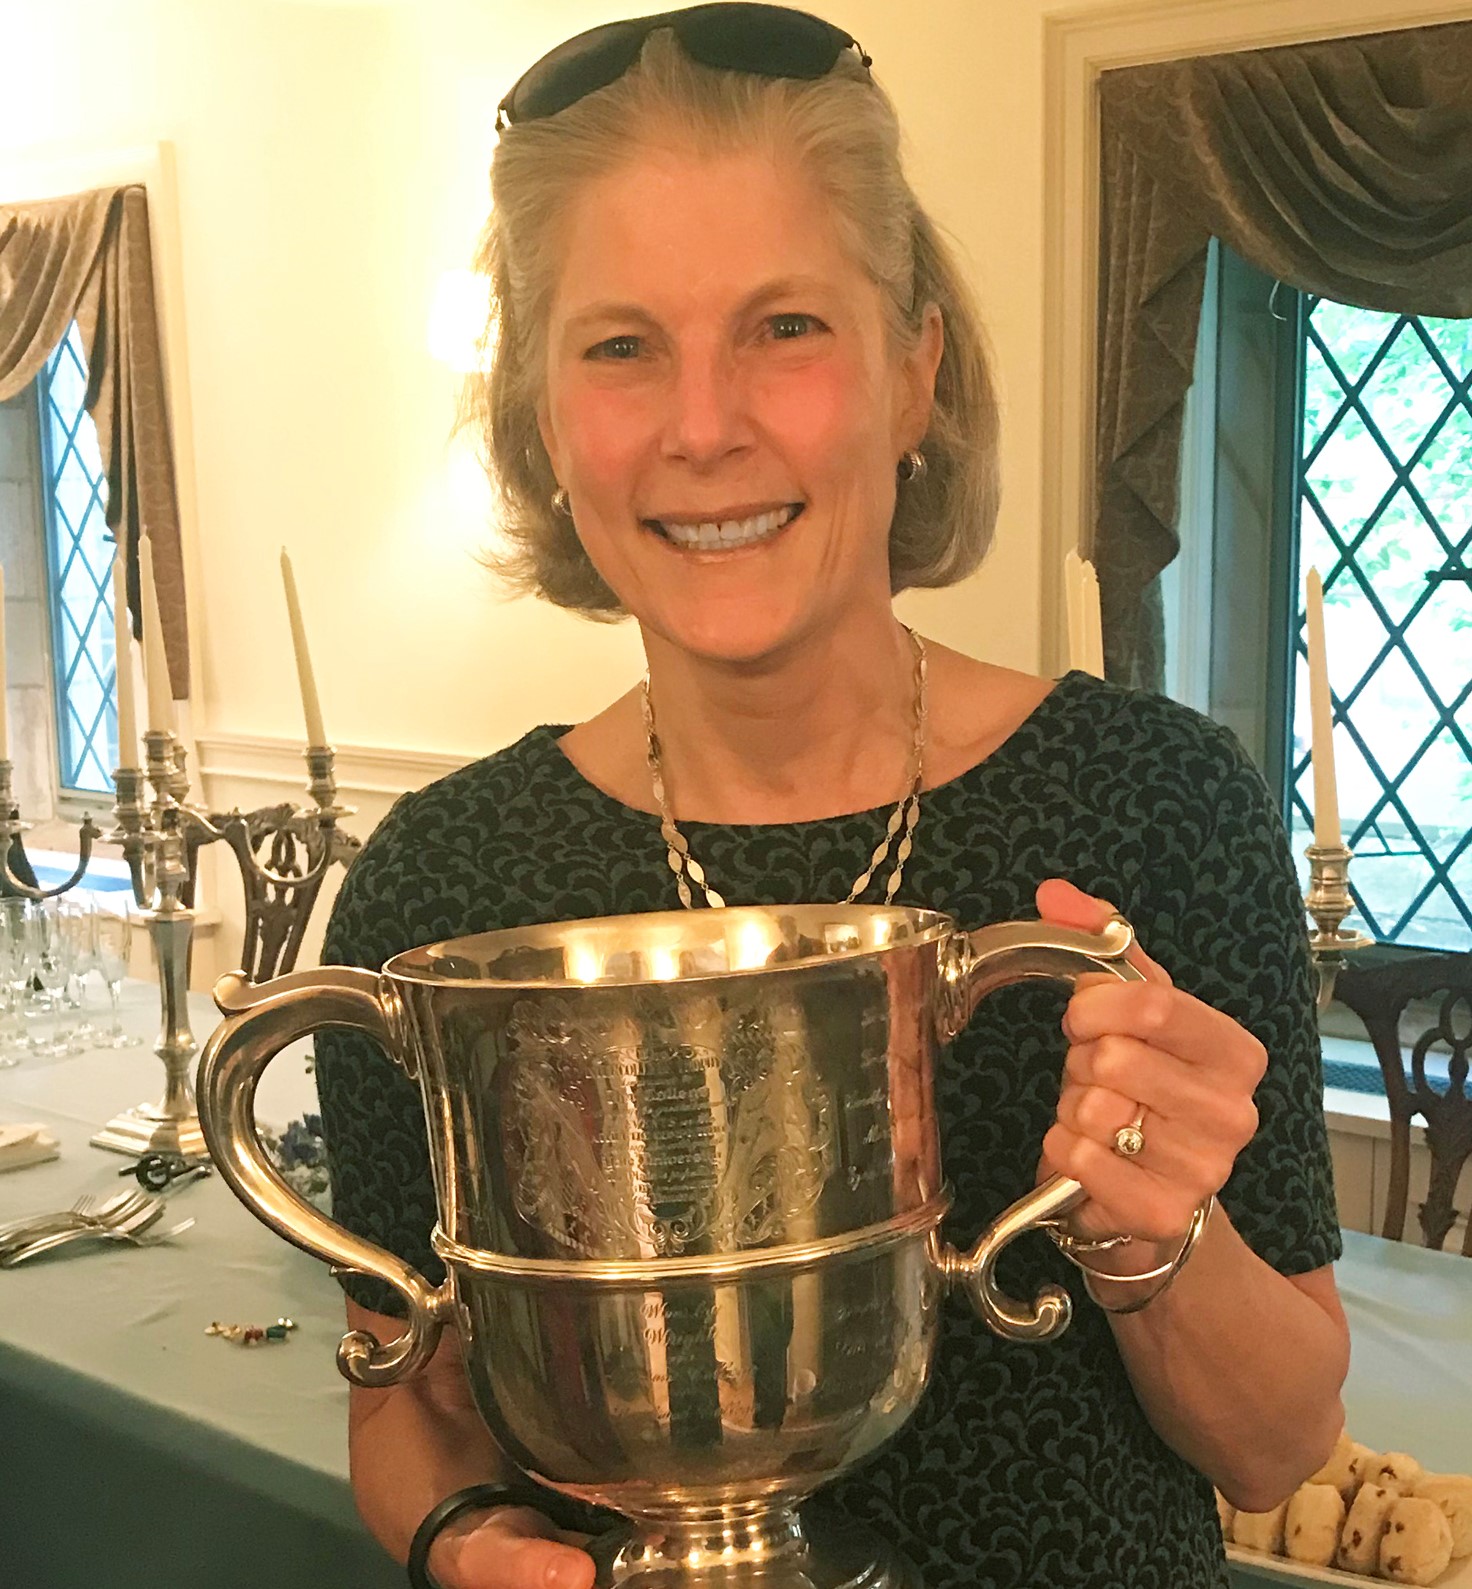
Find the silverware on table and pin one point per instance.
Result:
(124, 1221)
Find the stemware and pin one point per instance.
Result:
(112, 935)
(79, 932)
(47, 956)
(15, 982)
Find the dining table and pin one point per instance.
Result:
(138, 1448)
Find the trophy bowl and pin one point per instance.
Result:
(688, 1180)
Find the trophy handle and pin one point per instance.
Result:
(974, 965)
(261, 1019)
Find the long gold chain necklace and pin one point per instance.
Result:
(899, 832)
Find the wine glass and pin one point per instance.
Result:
(113, 937)
(78, 931)
(47, 954)
(15, 982)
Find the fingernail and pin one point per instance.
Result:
(567, 1570)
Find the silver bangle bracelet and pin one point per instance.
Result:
(1164, 1273)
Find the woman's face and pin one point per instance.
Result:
(715, 359)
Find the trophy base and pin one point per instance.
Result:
(824, 1551)
(145, 1130)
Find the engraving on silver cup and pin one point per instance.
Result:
(689, 1187)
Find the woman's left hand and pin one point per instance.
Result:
(1145, 1046)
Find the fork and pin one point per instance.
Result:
(88, 1205)
(148, 1211)
(88, 1210)
(139, 1237)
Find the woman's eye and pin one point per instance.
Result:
(785, 327)
(621, 347)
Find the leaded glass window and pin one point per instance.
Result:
(79, 552)
(1384, 511)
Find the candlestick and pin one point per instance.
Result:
(123, 664)
(1327, 832)
(311, 707)
(155, 658)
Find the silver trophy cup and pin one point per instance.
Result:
(689, 1188)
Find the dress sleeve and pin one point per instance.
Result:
(372, 1116)
(1244, 948)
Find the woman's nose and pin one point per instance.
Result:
(707, 416)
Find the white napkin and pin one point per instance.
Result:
(22, 1145)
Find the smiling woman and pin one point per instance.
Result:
(740, 396)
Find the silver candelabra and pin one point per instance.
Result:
(161, 836)
(11, 829)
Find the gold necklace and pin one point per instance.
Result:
(901, 824)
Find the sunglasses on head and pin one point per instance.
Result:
(770, 41)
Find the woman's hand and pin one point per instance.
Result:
(1145, 1045)
(509, 1547)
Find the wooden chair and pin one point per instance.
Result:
(1388, 997)
(284, 855)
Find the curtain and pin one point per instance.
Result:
(87, 258)
(1342, 168)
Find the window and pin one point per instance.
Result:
(1383, 512)
(1330, 436)
(78, 563)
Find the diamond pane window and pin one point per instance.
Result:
(79, 553)
(1384, 512)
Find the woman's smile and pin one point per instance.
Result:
(734, 529)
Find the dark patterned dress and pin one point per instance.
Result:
(1025, 1466)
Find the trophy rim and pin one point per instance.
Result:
(418, 966)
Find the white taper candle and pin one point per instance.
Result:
(311, 707)
(1327, 831)
(123, 654)
(155, 658)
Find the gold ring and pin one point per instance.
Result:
(1129, 1141)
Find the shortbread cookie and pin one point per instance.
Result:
(1395, 1470)
(1416, 1546)
(1261, 1531)
(1225, 1512)
(1452, 1492)
(1360, 1463)
(1359, 1540)
(1335, 1470)
(1311, 1527)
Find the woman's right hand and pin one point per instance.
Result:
(509, 1547)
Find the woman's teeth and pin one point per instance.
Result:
(712, 536)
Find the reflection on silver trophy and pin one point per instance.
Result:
(689, 1190)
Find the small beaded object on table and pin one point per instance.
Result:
(252, 1334)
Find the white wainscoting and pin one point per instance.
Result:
(1359, 1139)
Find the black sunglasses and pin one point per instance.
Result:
(771, 41)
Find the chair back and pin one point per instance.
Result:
(284, 855)
(1392, 1000)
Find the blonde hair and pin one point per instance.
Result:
(842, 128)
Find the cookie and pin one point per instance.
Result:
(1311, 1528)
(1225, 1512)
(1261, 1531)
(1359, 1539)
(1336, 1470)
(1395, 1470)
(1416, 1546)
(1452, 1492)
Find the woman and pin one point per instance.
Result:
(739, 395)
